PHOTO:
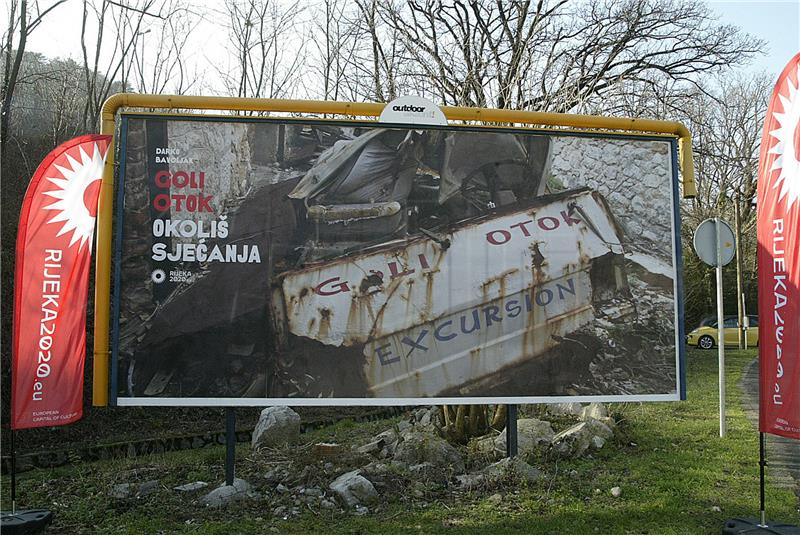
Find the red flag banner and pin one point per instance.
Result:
(51, 284)
(779, 258)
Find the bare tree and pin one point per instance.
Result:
(382, 54)
(21, 23)
(158, 61)
(109, 34)
(336, 51)
(726, 122)
(260, 39)
(558, 55)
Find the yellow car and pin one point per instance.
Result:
(705, 336)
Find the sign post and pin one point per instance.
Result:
(714, 243)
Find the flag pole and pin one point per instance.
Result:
(762, 463)
(13, 475)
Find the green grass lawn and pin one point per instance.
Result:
(672, 467)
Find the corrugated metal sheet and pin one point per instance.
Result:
(430, 315)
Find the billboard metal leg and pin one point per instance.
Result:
(511, 430)
(230, 444)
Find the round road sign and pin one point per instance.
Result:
(705, 242)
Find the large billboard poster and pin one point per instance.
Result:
(286, 261)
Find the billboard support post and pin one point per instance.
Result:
(720, 331)
(230, 444)
(511, 431)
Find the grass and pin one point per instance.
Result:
(672, 467)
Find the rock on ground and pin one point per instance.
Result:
(420, 448)
(532, 435)
(580, 437)
(277, 426)
(574, 440)
(594, 411)
(600, 428)
(508, 470)
(514, 469)
(565, 409)
(225, 494)
(191, 487)
(353, 489)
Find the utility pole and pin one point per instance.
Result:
(739, 274)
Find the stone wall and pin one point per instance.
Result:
(635, 176)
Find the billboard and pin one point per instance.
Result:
(318, 262)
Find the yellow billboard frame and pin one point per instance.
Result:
(102, 290)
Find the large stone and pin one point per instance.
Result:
(353, 489)
(420, 448)
(578, 438)
(594, 411)
(600, 429)
(225, 494)
(574, 440)
(532, 435)
(512, 469)
(565, 409)
(277, 426)
(372, 448)
(509, 470)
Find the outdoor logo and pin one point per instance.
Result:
(787, 149)
(413, 110)
(78, 184)
(408, 107)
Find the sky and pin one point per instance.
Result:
(777, 22)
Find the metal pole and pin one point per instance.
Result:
(230, 444)
(762, 463)
(744, 318)
(13, 475)
(511, 430)
(720, 332)
(742, 334)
